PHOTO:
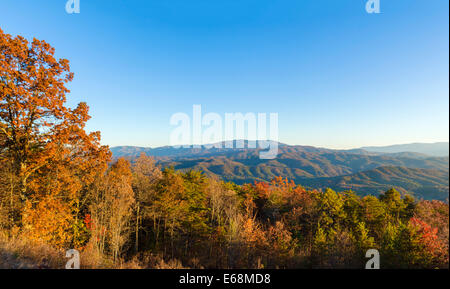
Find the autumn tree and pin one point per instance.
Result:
(45, 150)
(436, 214)
(50, 221)
(41, 137)
(112, 209)
(145, 176)
(32, 97)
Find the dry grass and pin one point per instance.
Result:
(18, 253)
(148, 260)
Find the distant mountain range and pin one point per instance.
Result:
(439, 149)
(365, 170)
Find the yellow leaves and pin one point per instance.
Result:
(49, 221)
(252, 233)
(111, 208)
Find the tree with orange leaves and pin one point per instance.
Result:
(43, 143)
(32, 97)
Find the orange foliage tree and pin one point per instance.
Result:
(44, 142)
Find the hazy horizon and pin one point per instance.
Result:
(326, 147)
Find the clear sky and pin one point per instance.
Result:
(337, 76)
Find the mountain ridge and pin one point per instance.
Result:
(307, 165)
(441, 149)
(432, 149)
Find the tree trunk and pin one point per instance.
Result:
(137, 229)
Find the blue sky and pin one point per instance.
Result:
(337, 76)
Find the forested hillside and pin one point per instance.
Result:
(422, 183)
(60, 189)
(365, 173)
